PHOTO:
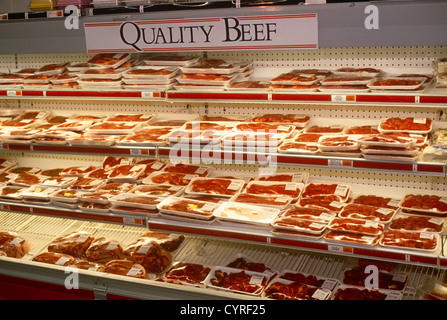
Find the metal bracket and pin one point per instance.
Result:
(100, 290)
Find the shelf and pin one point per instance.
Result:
(437, 97)
(127, 219)
(241, 233)
(438, 169)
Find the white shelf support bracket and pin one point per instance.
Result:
(100, 290)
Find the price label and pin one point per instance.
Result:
(55, 14)
(147, 95)
(11, 93)
(135, 152)
(342, 98)
(321, 294)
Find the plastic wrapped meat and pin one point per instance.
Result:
(13, 244)
(126, 268)
(103, 250)
(74, 243)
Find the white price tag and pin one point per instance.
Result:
(329, 284)
(135, 152)
(112, 245)
(384, 211)
(62, 261)
(334, 248)
(291, 186)
(321, 294)
(235, 185)
(147, 95)
(134, 271)
(341, 191)
(256, 279)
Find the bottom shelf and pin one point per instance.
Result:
(41, 230)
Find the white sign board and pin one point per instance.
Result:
(297, 31)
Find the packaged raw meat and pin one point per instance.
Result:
(103, 250)
(109, 60)
(291, 189)
(309, 279)
(377, 201)
(425, 203)
(298, 120)
(351, 238)
(87, 184)
(13, 244)
(159, 190)
(136, 201)
(273, 201)
(366, 212)
(188, 208)
(317, 189)
(362, 129)
(289, 146)
(151, 72)
(408, 125)
(205, 197)
(421, 241)
(169, 178)
(126, 268)
(66, 196)
(56, 258)
(300, 177)
(87, 265)
(351, 71)
(293, 78)
(338, 80)
(357, 276)
(406, 222)
(323, 130)
(74, 243)
(208, 136)
(166, 60)
(37, 193)
(282, 289)
(311, 214)
(338, 143)
(168, 241)
(200, 171)
(248, 85)
(346, 292)
(366, 227)
(126, 172)
(186, 273)
(236, 280)
(246, 213)
(397, 83)
(27, 179)
(152, 257)
(77, 171)
(147, 136)
(215, 186)
(296, 224)
(130, 117)
(113, 128)
(264, 127)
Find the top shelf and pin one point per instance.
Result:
(401, 23)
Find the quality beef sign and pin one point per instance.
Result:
(298, 31)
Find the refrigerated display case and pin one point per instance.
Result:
(214, 243)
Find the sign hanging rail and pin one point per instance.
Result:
(268, 32)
